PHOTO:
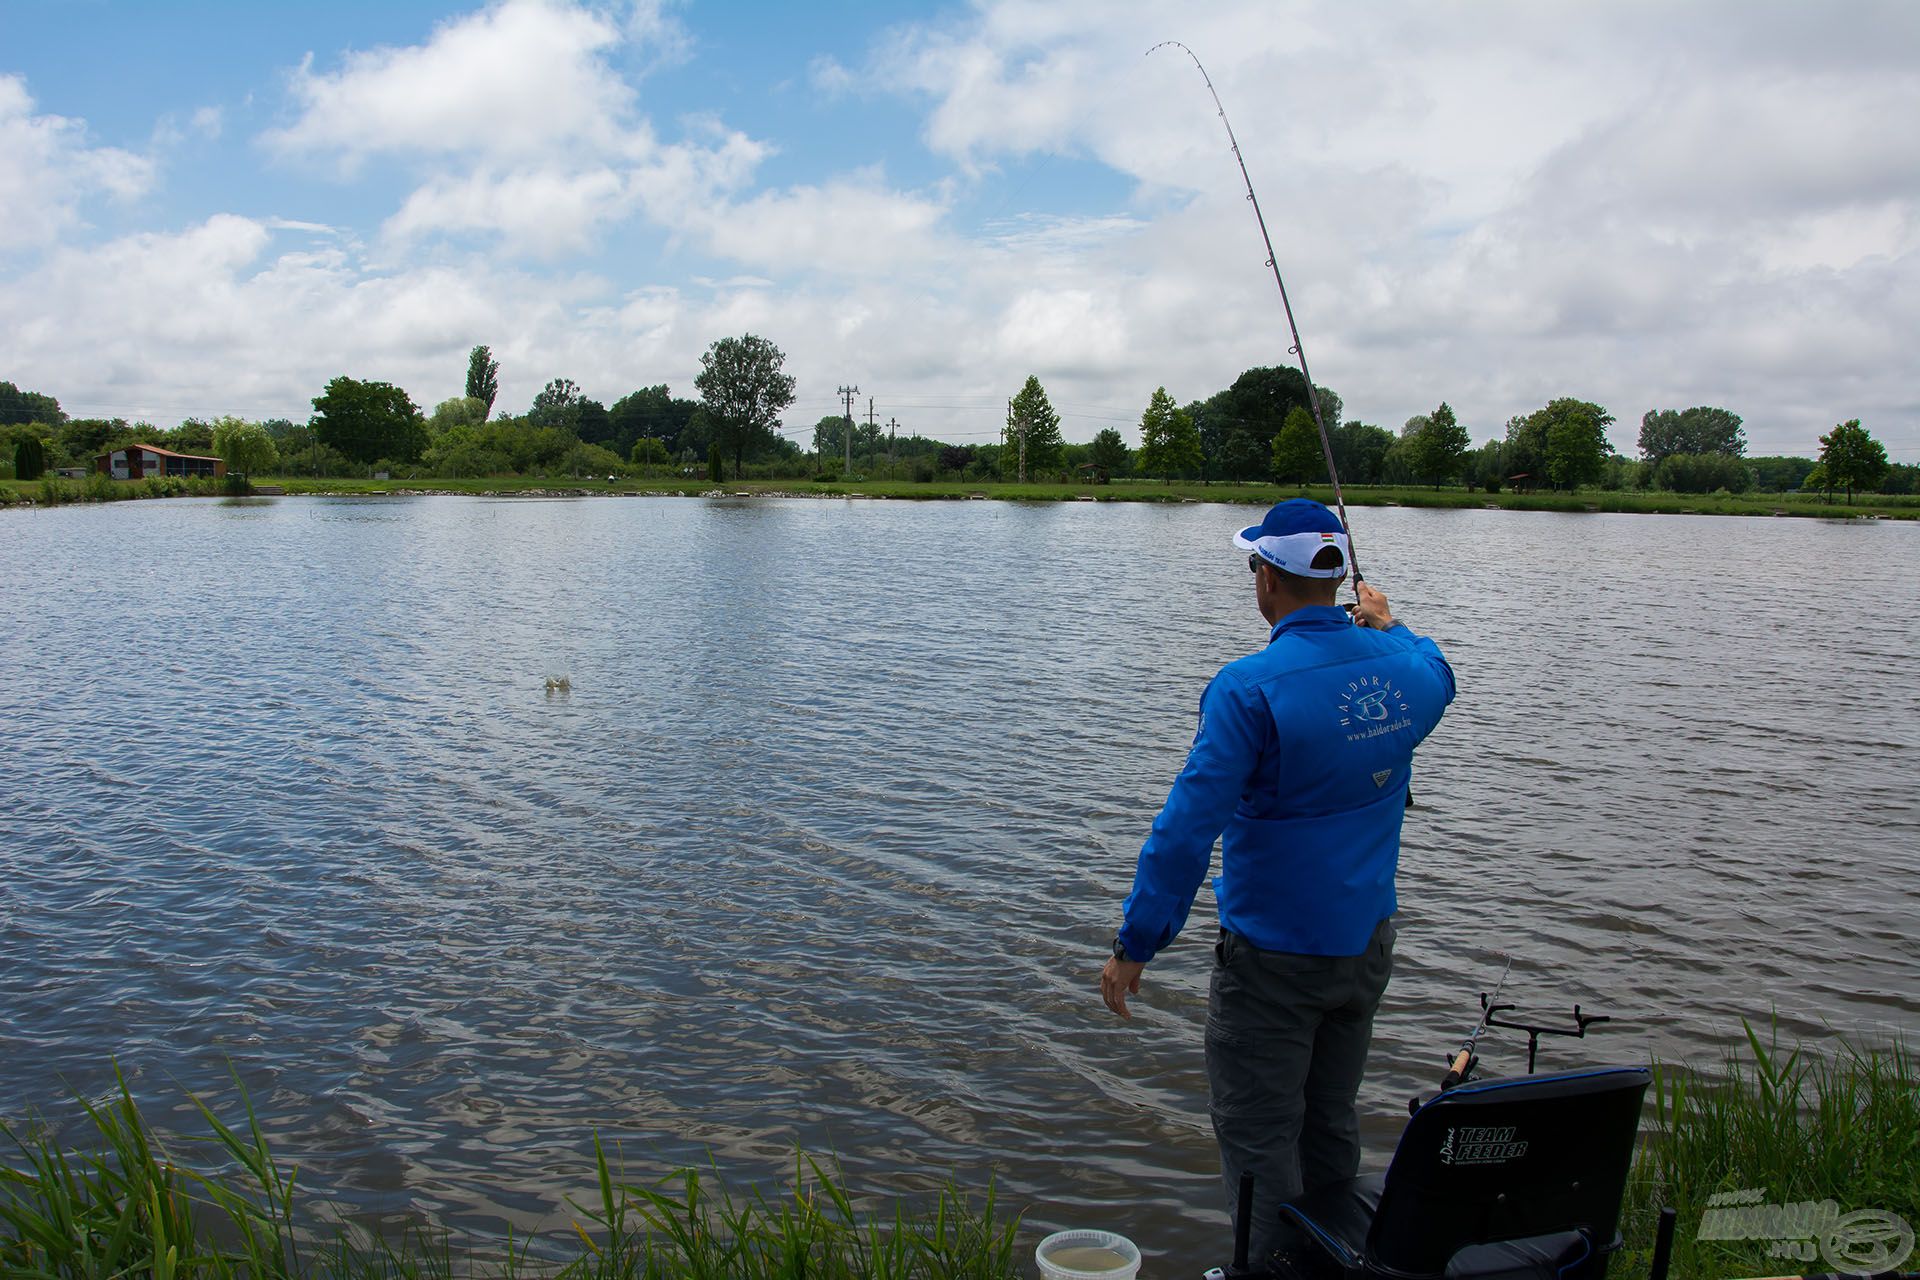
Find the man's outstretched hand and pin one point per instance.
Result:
(1120, 979)
(1371, 609)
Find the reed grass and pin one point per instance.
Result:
(130, 1209)
(1792, 1124)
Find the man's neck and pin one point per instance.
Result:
(1276, 607)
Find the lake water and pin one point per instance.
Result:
(826, 843)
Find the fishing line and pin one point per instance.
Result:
(1296, 350)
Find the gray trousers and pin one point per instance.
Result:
(1287, 1042)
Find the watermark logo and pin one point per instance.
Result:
(1371, 701)
(1861, 1242)
(1481, 1144)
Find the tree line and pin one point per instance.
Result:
(1260, 428)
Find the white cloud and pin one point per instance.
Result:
(51, 170)
(853, 226)
(829, 76)
(515, 81)
(549, 212)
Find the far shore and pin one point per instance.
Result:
(1864, 506)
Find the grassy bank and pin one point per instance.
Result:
(1585, 500)
(1775, 1126)
(133, 1208)
(1770, 1126)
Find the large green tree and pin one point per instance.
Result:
(1030, 418)
(245, 447)
(1564, 443)
(651, 411)
(483, 378)
(1169, 444)
(1701, 430)
(368, 421)
(1237, 426)
(17, 406)
(1438, 450)
(557, 405)
(592, 423)
(1296, 453)
(1109, 453)
(744, 391)
(830, 437)
(1360, 451)
(1850, 458)
(80, 440)
(459, 411)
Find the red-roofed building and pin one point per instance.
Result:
(138, 461)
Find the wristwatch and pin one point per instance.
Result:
(1120, 952)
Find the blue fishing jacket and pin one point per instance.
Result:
(1300, 768)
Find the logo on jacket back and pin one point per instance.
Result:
(1372, 702)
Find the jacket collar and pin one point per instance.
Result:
(1311, 617)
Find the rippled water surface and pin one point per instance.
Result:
(825, 845)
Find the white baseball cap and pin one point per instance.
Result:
(1293, 533)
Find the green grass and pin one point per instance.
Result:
(1791, 1124)
(1787, 1125)
(132, 1209)
(1884, 506)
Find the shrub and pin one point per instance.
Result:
(1703, 473)
(29, 459)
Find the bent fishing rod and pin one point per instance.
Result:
(1298, 351)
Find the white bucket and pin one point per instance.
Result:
(1061, 1241)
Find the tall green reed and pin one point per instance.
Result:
(129, 1209)
(1791, 1123)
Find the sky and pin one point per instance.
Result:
(213, 208)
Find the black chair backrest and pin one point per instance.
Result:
(1508, 1159)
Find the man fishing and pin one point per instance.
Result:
(1303, 759)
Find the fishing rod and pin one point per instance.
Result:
(1463, 1061)
(1296, 350)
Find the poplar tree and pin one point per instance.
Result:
(483, 378)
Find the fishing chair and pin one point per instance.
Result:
(1515, 1179)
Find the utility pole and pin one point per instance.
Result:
(1020, 427)
(873, 436)
(893, 425)
(847, 394)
